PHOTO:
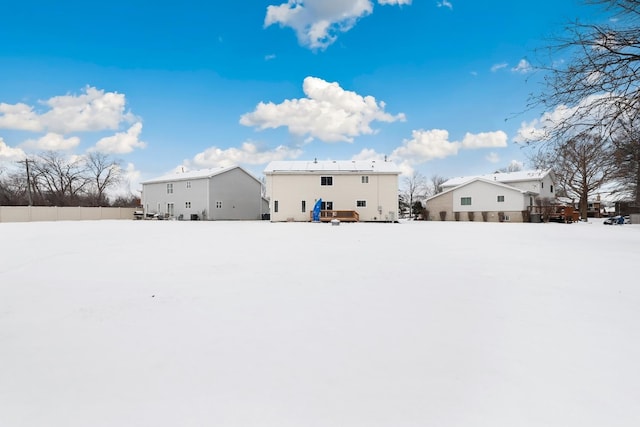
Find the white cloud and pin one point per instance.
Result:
(369, 154)
(485, 140)
(53, 142)
(94, 110)
(9, 153)
(270, 57)
(19, 117)
(249, 153)
(586, 111)
(394, 2)
(493, 157)
(328, 113)
(523, 67)
(317, 22)
(426, 145)
(445, 3)
(497, 67)
(122, 142)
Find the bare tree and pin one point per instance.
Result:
(626, 153)
(583, 164)
(598, 85)
(415, 188)
(58, 181)
(102, 173)
(435, 185)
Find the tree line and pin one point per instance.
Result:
(51, 179)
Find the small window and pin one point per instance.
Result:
(275, 206)
(542, 185)
(187, 205)
(365, 179)
(361, 203)
(218, 204)
(304, 206)
(169, 188)
(188, 184)
(551, 189)
(465, 201)
(500, 199)
(326, 180)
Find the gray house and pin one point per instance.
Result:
(229, 193)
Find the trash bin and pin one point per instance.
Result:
(536, 217)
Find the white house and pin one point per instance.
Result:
(349, 190)
(229, 193)
(508, 196)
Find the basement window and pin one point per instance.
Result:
(187, 205)
(218, 204)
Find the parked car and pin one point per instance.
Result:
(618, 219)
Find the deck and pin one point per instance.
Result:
(343, 216)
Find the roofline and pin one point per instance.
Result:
(486, 181)
(208, 176)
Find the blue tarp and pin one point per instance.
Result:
(316, 210)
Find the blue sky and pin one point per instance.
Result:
(440, 87)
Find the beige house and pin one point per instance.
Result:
(508, 196)
(348, 190)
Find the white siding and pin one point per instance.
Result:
(290, 189)
(484, 197)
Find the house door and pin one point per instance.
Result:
(327, 206)
(170, 209)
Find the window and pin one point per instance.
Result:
(326, 206)
(304, 206)
(169, 188)
(361, 203)
(275, 206)
(187, 205)
(500, 199)
(188, 184)
(551, 189)
(465, 201)
(218, 204)
(542, 185)
(326, 180)
(365, 179)
(170, 209)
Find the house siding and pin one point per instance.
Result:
(240, 195)
(290, 189)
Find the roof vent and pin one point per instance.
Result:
(315, 160)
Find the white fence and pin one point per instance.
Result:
(54, 213)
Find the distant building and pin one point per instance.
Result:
(229, 193)
(508, 196)
(349, 190)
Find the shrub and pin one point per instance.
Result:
(457, 216)
(485, 216)
(443, 215)
(471, 215)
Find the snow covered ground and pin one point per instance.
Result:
(242, 324)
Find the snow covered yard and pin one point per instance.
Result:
(241, 324)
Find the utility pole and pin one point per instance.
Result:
(26, 164)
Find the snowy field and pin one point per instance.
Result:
(254, 324)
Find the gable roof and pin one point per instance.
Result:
(338, 166)
(197, 174)
(504, 177)
(483, 180)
